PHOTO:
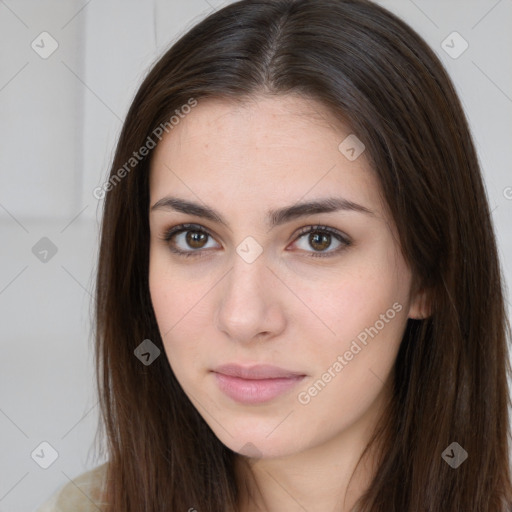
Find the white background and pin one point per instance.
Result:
(59, 119)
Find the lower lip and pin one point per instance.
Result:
(255, 391)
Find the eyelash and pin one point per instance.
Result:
(176, 230)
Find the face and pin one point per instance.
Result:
(305, 305)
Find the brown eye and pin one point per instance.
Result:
(320, 241)
(196, 239)
(189, 240)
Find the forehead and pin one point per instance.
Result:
(265, 150)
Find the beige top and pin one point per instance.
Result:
(83, 494)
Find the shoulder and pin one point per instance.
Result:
(81, 494)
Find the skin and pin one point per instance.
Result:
(286, 308)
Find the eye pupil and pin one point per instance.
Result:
(320, 241)
(196, 239)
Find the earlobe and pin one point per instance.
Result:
(420, 307)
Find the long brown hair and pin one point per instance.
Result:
(374, 72)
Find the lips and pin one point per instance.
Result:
(255, 384)
(260, 371)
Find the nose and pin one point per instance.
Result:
(249, 306)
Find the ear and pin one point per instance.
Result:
(420, 307)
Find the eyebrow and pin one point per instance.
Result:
(274, 217)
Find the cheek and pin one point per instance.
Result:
(365, 303)
(368, 314)
(174, 292)
(182, 301)
(174, 326)
(359, 294)
(179, 303)
(365, 310)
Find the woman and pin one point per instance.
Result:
(299, 301)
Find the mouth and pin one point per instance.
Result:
(255, 384)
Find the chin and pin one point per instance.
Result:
(258, 444)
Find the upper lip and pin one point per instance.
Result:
(258, 371)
